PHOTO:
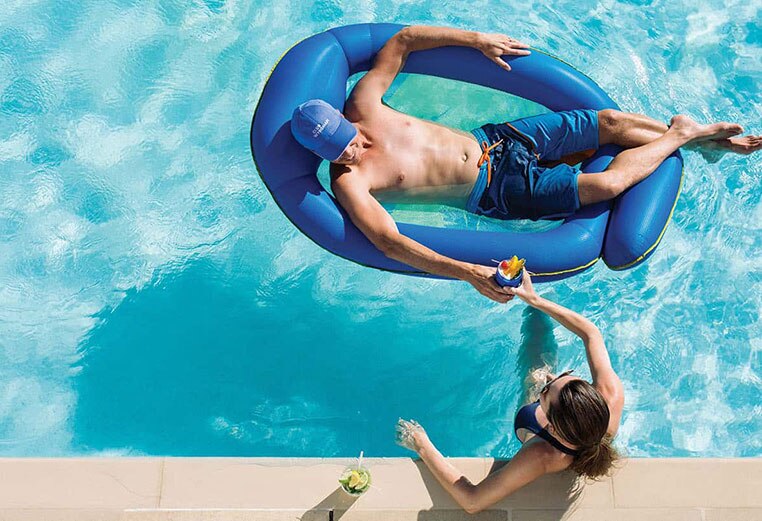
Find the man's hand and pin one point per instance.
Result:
(494, 46)
(483, 279)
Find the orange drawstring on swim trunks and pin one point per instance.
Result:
(486, 149)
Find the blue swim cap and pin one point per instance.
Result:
(319, 127)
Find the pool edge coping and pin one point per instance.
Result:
(159, 488)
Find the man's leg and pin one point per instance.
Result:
(558, 134)
(562, 135)
(635, 164)
(627, 129)
(633, 130)
(622, 128)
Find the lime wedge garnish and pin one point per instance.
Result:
(364, 481)
(344, 479)
(354, 479)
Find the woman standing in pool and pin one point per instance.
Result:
(570, 426)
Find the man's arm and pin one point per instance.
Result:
(372, 219)
(391, 58)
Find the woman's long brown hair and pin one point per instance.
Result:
(582, 417)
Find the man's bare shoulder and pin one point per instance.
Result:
(361, 107)
(337, 171)
(345, 177)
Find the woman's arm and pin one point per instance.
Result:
(604, 377)
(531, 462)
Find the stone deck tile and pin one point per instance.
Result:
(82, 483)
(609, 514)
(733, 514)
(708, 483)
(226, 515)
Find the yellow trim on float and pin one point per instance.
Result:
(578, 268)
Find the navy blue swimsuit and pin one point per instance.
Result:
(526, 419)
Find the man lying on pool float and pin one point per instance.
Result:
(376, 150)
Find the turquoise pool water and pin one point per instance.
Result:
(154, 300)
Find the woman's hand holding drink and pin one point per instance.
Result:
(525, 291)
(510, 272)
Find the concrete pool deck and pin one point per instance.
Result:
(189, 489)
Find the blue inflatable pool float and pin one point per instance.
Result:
(623, 234)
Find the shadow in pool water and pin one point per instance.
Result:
(205, 362)
(238, 360)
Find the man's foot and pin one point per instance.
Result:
(739, 145)
(694, 132)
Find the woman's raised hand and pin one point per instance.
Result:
(410, 434)
(525, 291)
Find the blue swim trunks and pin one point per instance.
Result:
(520, 185)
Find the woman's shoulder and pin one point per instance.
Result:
(552, 459)
(613, 393)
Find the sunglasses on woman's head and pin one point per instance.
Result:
(547, 385)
